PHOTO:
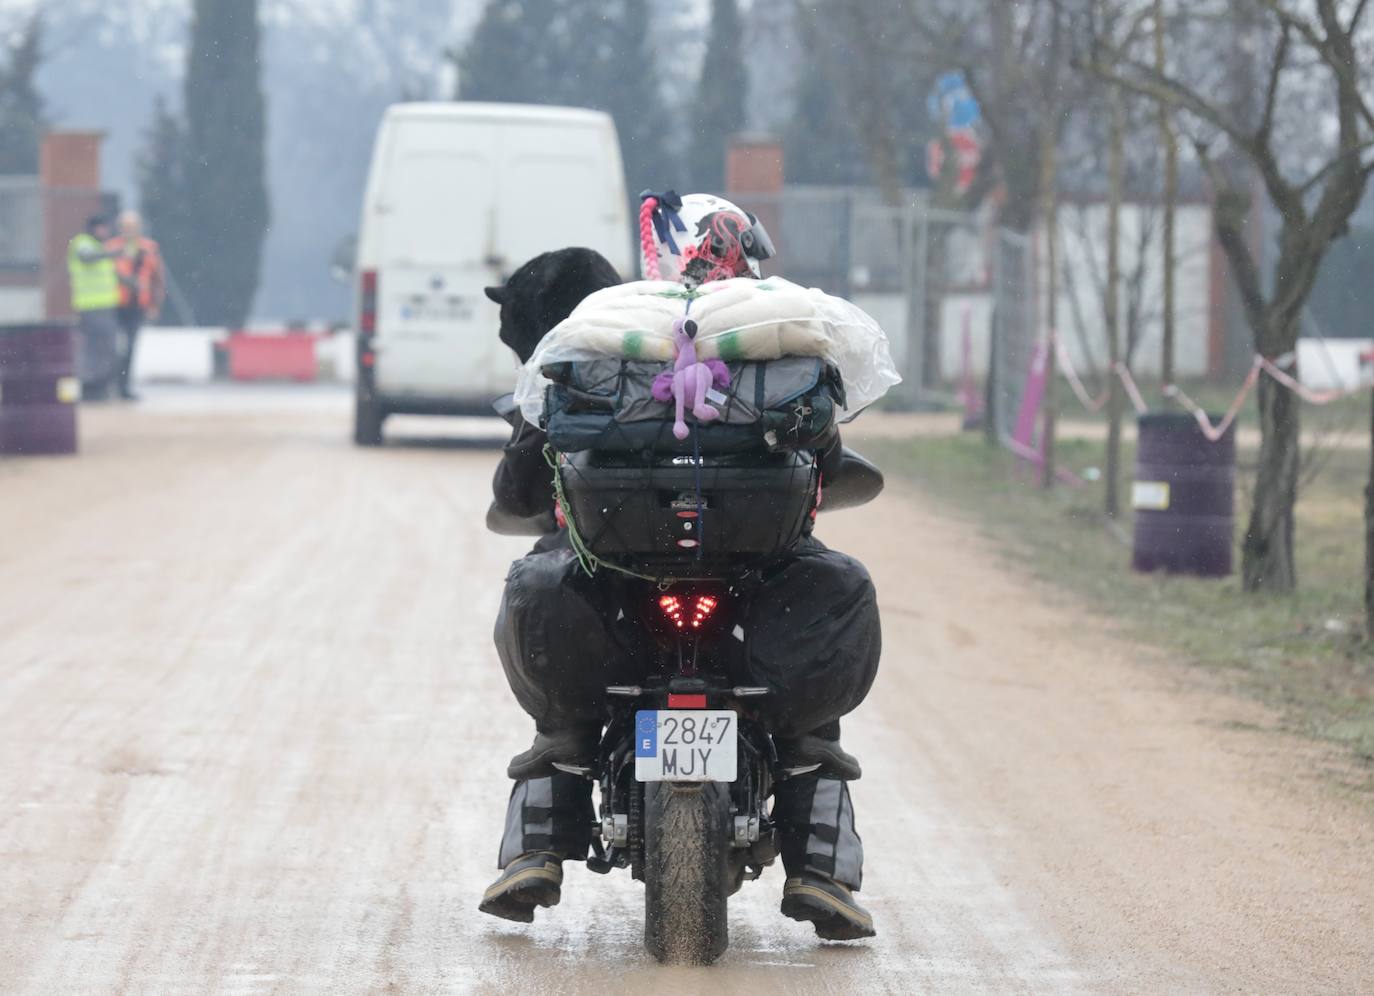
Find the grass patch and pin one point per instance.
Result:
(1303, 654)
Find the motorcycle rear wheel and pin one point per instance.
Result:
(686, 871)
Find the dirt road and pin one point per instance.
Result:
(252, 739)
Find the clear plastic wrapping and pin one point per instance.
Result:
(739, 319)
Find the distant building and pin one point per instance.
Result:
(38, 217)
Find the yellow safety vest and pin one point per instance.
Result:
(94, 285)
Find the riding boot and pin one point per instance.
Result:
(548, 820)
(823, 856)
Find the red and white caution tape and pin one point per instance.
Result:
(1132, 391)
(1274, 368)
(1215, 432)
(1095, 405)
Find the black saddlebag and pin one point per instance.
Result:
(675, 513)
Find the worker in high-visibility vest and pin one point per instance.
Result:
(95, 295)
(142, 287)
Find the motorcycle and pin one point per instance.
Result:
(685, 775)
(685, 769)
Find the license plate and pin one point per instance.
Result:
(685, 745)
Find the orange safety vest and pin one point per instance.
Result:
(140, 271)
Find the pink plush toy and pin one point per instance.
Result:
(690, 379)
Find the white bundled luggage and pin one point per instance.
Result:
(740, 320)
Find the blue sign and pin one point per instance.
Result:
(951, 103)
(646, 734)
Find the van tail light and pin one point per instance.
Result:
(367, 305)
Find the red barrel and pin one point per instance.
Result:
(1184, 497)
(39, 389)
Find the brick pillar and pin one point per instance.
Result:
(69, 172)
(753, 165)
(754, 180)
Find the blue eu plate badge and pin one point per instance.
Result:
(646, 734)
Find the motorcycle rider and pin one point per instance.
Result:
(811, 634)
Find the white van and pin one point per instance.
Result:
(458, 196)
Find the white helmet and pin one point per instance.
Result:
(699, 237)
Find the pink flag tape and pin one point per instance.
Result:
(1213, 432)
(1092, 404)
(1274, 369)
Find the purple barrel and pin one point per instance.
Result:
(1183, 497)
(39, 389)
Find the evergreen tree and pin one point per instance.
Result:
(625, 83)
(22, 120)
(579, 53)
(515, 54)
(226, 184)
(718, 108)
(165, 199)
(821, 142)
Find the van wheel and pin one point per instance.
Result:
(367, 422)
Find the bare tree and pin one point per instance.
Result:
(1369, 541)
(1314, 200)
(1169, 250)
(1111, 302)
(1012, 55)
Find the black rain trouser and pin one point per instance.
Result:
(809, 631)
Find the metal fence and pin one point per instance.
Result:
(901, 262)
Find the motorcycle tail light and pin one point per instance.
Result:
(705, 605)
(688, 612)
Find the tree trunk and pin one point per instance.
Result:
(932, 362)
(1049, 165)
(1267, 553)
(1369, 538)
(1110, 301)
(933, 300)
(1170, 143)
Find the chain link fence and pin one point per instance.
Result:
(923, 273)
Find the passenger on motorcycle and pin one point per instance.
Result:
(810, 627)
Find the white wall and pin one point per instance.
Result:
(21, 304)
(1083, 266)
(960, 312)
(169, 353)
(1324, 364)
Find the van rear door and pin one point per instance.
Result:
(433, 339)
(562, 184)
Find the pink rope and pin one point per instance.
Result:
(1306, 393)
(646, 237)
(1132, 391)
(1215, 432)
(1094, 405)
